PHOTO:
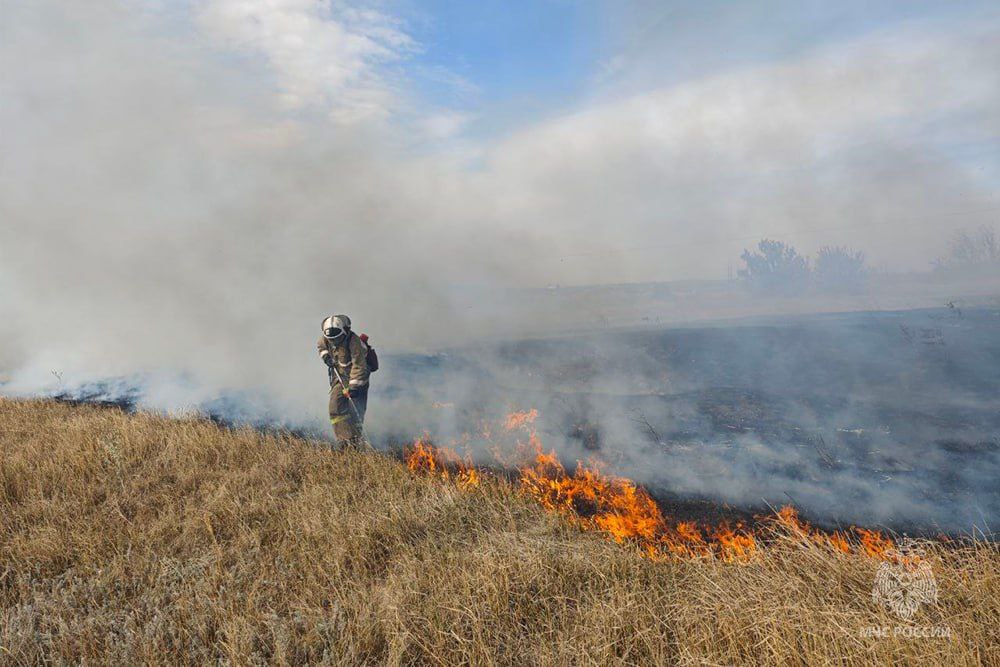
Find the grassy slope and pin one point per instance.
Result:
(138, 538)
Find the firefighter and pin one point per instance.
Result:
(345, 353)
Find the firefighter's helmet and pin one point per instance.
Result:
(336, 327)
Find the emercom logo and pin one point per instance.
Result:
(905, 581)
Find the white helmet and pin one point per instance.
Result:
(336, 327)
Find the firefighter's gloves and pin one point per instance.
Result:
(328, 360)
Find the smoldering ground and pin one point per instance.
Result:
(877, 418)
(859, 418)
(184, 198)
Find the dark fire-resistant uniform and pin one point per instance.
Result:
(350, 360)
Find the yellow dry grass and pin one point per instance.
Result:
(135, 539)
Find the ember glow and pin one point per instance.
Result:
(625, 512)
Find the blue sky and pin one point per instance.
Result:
(545, 49)
(520, 60)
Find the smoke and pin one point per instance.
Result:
(163, 214)
(844, 416)
(857, 144)
(187, 190)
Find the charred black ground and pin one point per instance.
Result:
(888, 419)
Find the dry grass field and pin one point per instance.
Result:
(137, 539)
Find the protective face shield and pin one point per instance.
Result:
(335, 327)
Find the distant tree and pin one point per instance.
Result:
(775, 267)
(972, 248)
(840, 269)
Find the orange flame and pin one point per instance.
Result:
(874, 543)
(787, 518)
(625, 512)
(423, 457)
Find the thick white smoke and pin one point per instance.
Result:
(163, 214)
(188, 189)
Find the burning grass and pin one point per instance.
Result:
(625, 512)
(140, 539)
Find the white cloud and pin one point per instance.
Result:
(323, 55)
(442, 126)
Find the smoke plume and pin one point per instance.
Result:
(186, 191)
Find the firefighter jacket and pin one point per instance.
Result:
(350, 358)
